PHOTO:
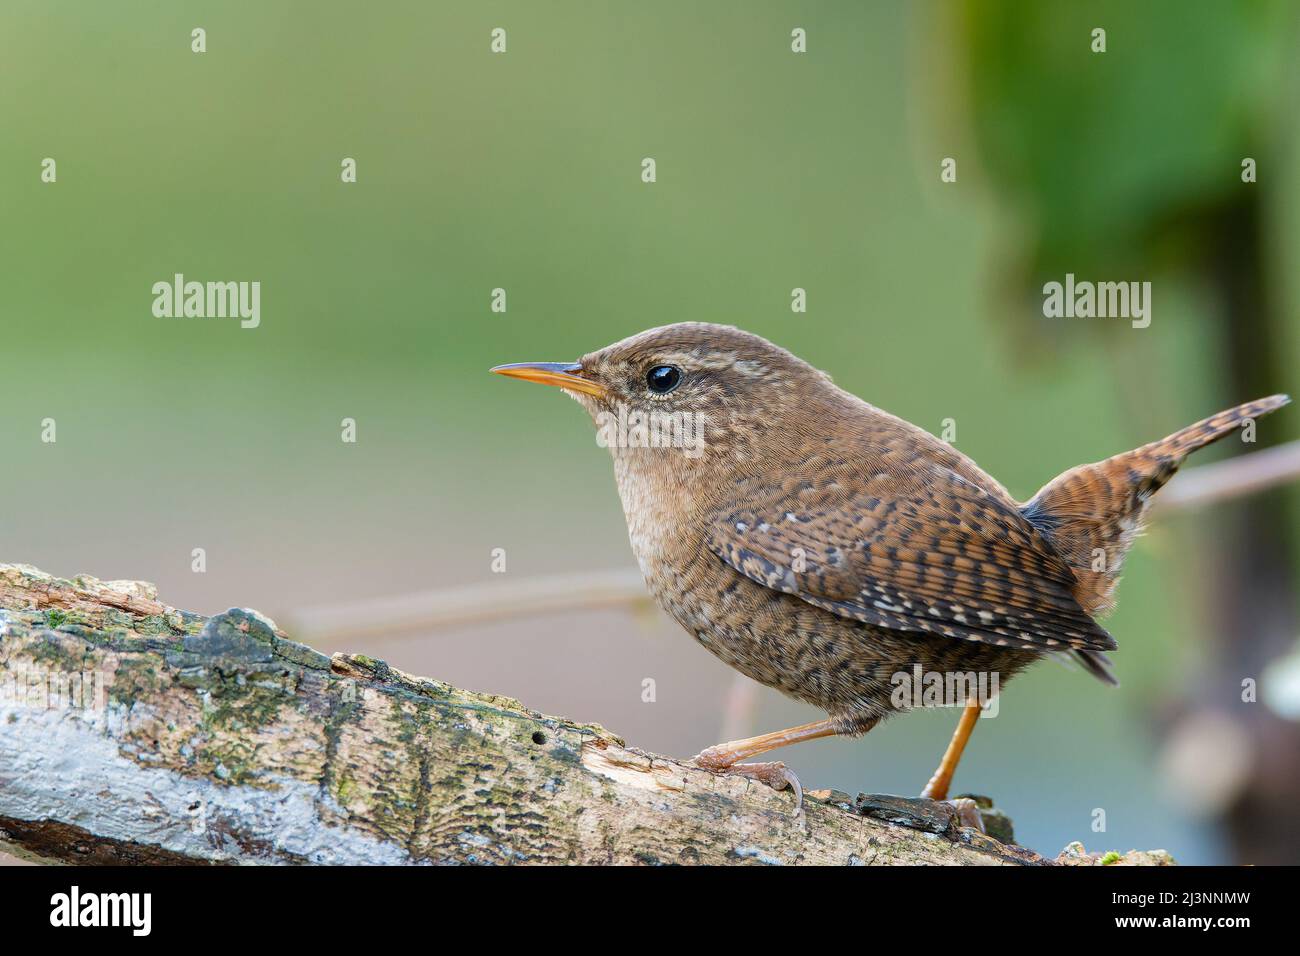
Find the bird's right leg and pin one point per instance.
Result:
(937, 788)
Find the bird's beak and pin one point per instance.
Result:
(553, 373)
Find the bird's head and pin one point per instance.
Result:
(692, 391)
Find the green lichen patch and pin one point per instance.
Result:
(159, 625)
(135, 679)
(238, 702)
(241, 701)
(344, 788)
(56, 651)
(300, 654)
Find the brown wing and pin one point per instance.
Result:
(944, 557)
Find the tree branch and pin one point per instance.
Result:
(131, 732)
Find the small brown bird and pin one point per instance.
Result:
(822, 546)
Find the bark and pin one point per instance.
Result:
(131, 732)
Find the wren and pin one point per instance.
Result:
(822, 546)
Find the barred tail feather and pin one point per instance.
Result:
(1092, 513)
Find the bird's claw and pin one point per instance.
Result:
(968, 812)
(773, 774)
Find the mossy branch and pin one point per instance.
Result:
(131, 732)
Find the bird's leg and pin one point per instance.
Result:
(725, 758)
(937, 788)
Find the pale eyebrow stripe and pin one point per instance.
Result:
(715, 361)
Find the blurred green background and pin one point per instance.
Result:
(775, 170)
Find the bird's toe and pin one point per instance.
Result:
(773, 774)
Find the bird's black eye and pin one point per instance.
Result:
(662, 379)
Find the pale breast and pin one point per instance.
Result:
(653, 519)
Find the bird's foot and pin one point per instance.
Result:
(968, 812)
(772, 773)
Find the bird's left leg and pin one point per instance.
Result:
(725, 758)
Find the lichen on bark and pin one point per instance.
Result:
(219, 739)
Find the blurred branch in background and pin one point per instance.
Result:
(413, 615)
(1233, 478)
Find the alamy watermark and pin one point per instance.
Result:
(38, 687)
(633, 428)
(1102, 300)
(921, 688)
(75, 908)
(208, 300)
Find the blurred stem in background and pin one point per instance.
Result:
(1127, 164)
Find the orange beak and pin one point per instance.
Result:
(561, 374)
